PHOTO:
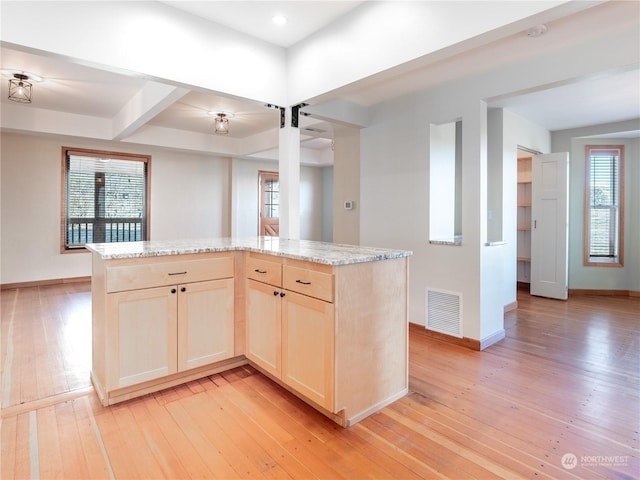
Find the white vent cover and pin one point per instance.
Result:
(444, 312)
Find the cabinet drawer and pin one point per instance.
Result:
(308, 282)
(159, 273)
(264, 271)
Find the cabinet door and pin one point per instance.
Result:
(142, 336)
(308, 347)
(264, 307)
(205, 323)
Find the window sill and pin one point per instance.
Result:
(456, 240)
(603, 262)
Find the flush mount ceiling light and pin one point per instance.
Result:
(221, 126)
(20, 88)
(221, 122)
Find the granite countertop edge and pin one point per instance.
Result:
(306, 250)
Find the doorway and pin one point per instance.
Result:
(269, 204)
(542, 222)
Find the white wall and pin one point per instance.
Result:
(191, 197)
(395, 179)
(245, 191)
(516, 131)
(327, 204)
(602, 278)
(346, 186)
(245, 188)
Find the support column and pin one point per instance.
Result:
(289, 175)
(483, 302)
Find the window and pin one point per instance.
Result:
(604, 205)
(269, 203)
(445, 183)
(104, 198)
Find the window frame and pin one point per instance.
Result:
(588, 259)
(264, 222)
(134, 157)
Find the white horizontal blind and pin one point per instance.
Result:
(105, 200)
(604, 202)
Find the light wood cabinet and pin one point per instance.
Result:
(205, 323)
(308, 347)
(336, 336)
(264, 326)
(289, 335)
(143, 336)
(146, 336)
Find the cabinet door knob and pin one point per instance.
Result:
(275, 293)
(173, 290)
(183, 289)
(282, 294)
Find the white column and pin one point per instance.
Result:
(483, 302)
(289, 177)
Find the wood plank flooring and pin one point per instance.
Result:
(563, 383)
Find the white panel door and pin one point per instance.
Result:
(549, 225)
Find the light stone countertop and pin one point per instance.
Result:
(317, 252)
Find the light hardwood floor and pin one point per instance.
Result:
(564, 382)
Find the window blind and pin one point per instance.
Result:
(105, 200)
(604, 181)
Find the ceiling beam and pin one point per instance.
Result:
(152, 99)
(342, 112)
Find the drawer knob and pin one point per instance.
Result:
(260, 271)
(178, 273)
(303, 283)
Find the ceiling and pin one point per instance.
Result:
(84, 90)
(255, 17)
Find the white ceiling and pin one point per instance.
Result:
(84, 90)
(255, 17)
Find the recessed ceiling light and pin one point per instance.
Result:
(279, 19)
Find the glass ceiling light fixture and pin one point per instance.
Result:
(221, 126)
(20, 88)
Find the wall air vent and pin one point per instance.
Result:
(444, 312)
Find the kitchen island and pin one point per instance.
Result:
(327, 322)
